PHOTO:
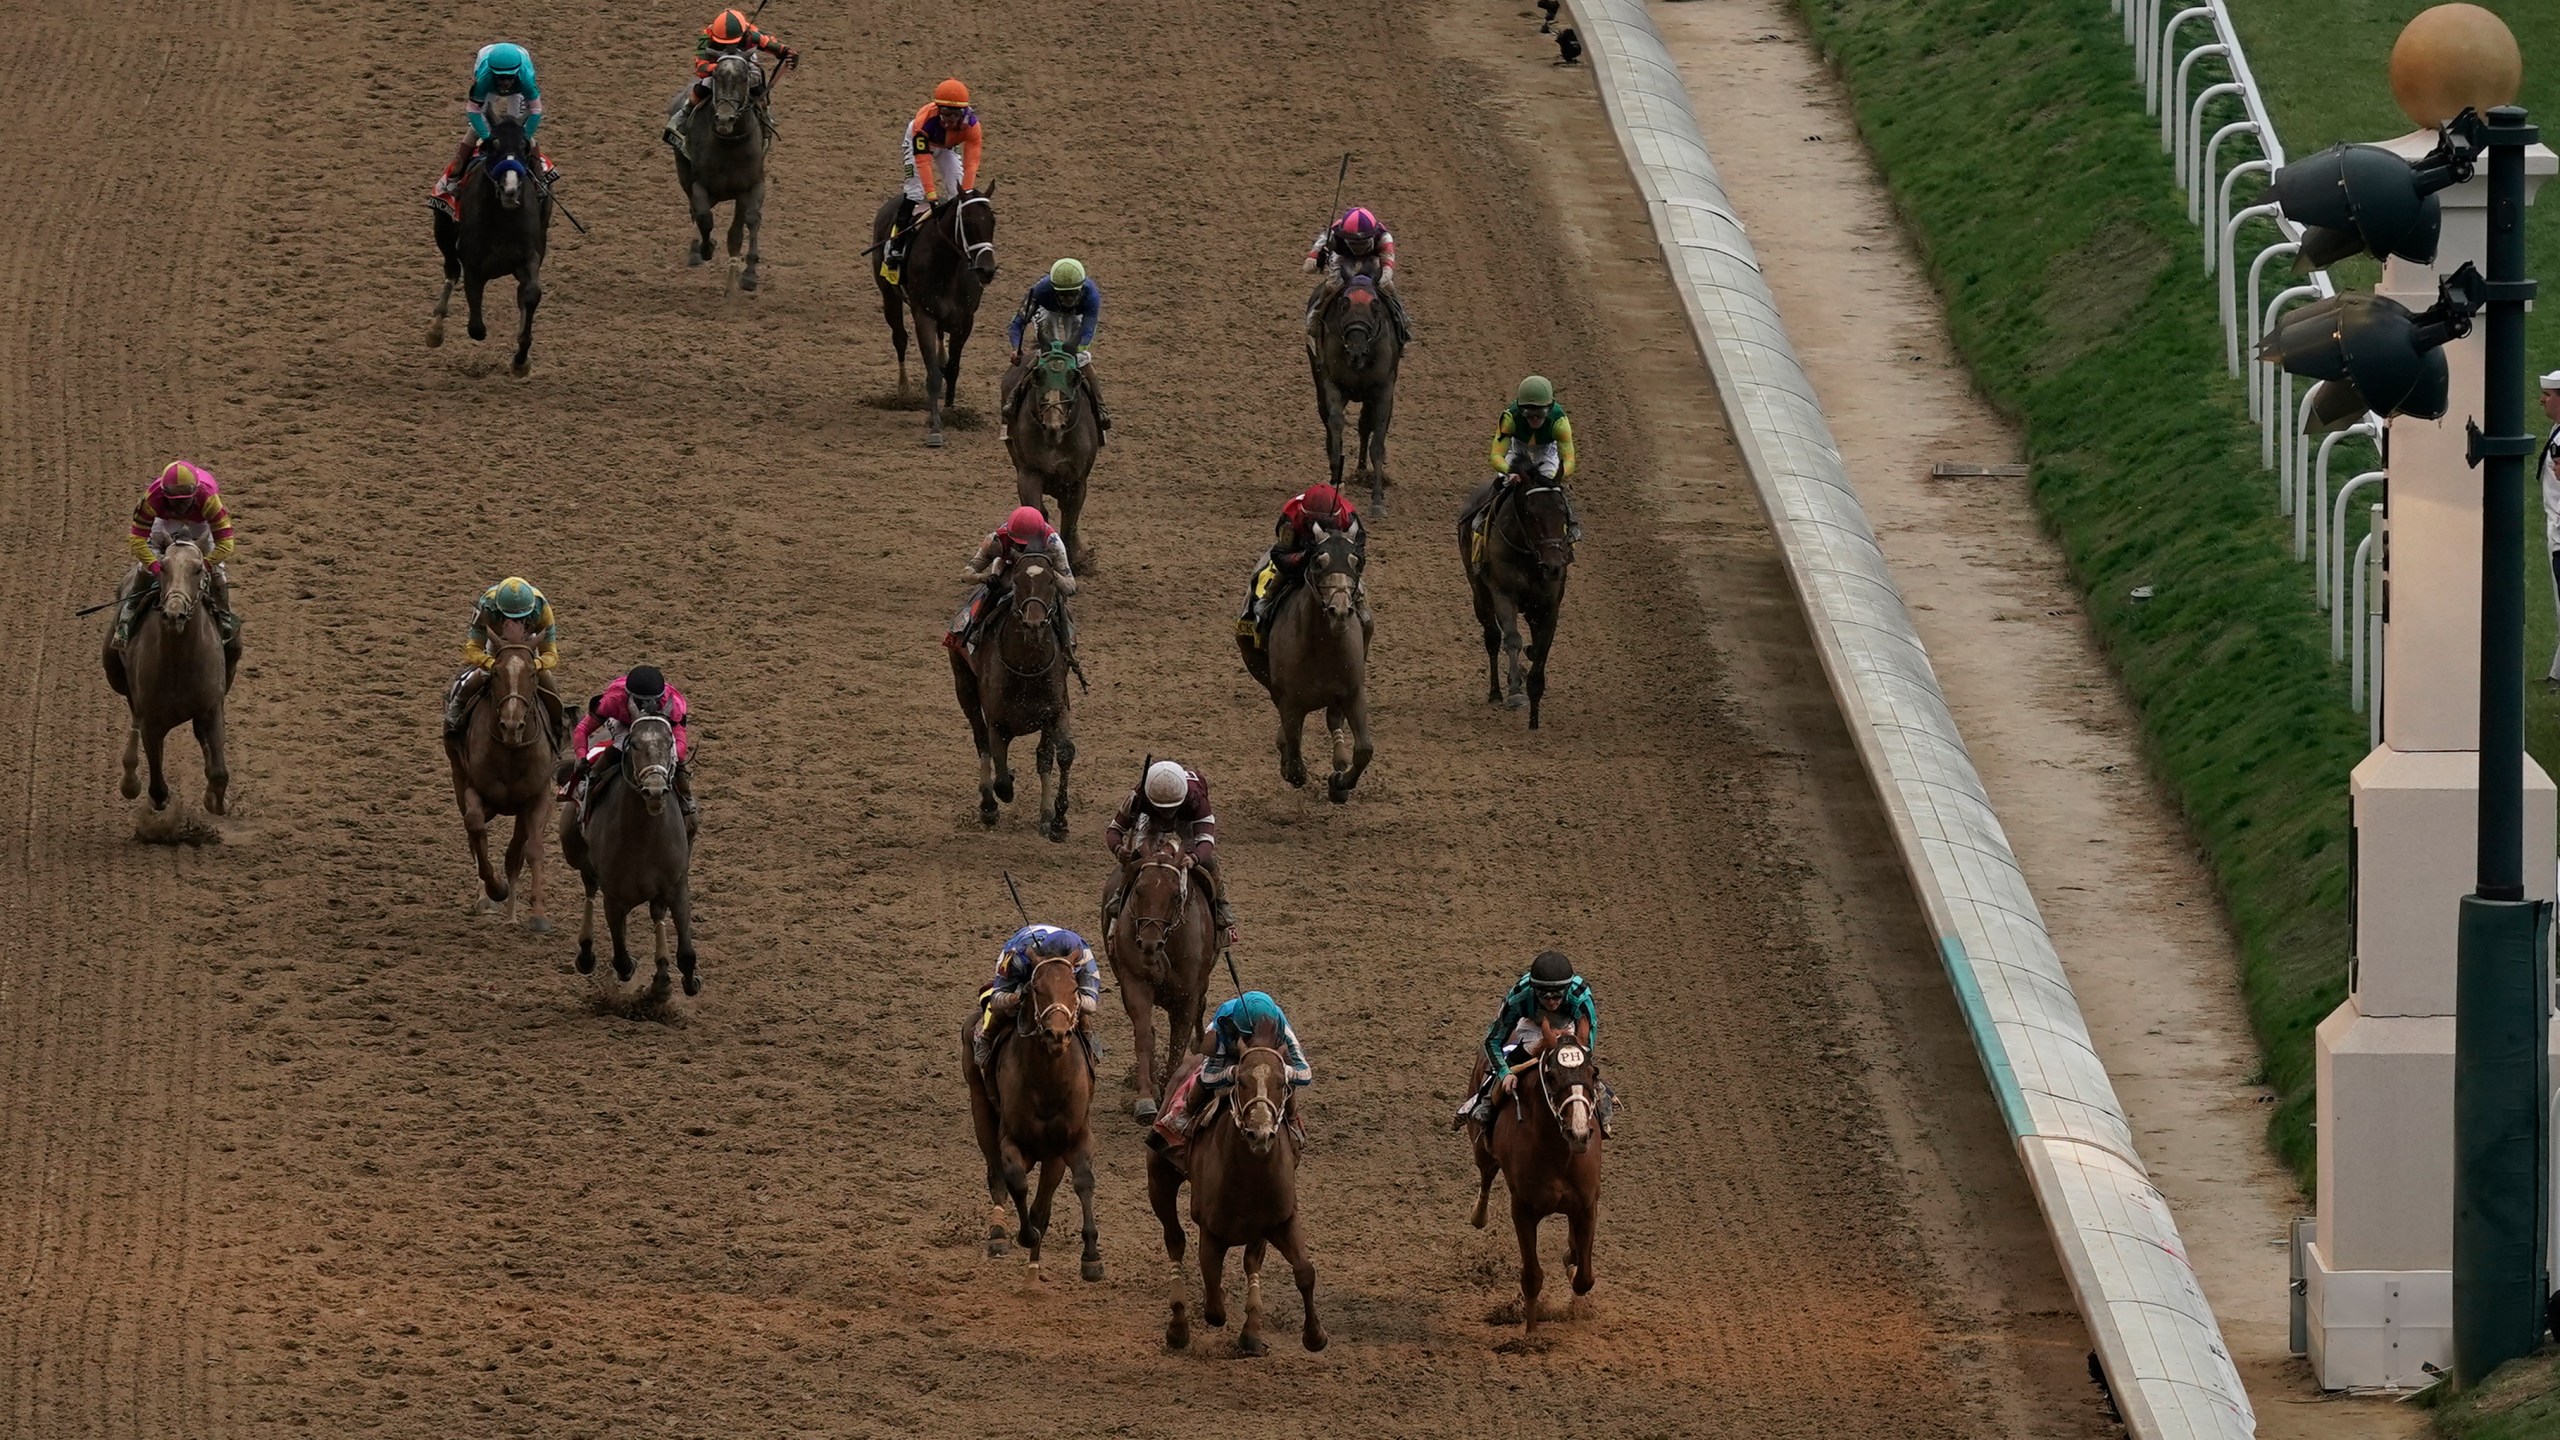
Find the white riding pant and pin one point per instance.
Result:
(1545, 457)
(946, 173)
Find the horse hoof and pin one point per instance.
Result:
(1533, 718)
(1092, 1270)
(216, 803)
(1250, 1348)
(933, 439)
(521, 368)
(1177, 1337)
(1145, 1111)
(622, 968)
(1056, 831)
(435, 336)
(130, 788)
(748, 281)
(1337, 790)
(987, 813)
(1316, 1340)
(693, 256)
(998, 1246)
(1004, 788)
(1515, 701)
(477, 330)
(536, 925)
(1297, 778)
(693, 984)
(586, 958)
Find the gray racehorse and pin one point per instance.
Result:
(630, 846)
(722, 157)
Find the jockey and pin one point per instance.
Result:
(1227, 1033)
(1067, 293)
(1355, 243)
(500, 70)
(183, 503)
(1532, 437)
(942, 144)
(729, 33)
(1551, 990)
(1318, 507)
(1174, 799)
(1014, 963)
(1026, 529)
(644, 691)
(513, 598)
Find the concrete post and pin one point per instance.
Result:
(2379, 1273)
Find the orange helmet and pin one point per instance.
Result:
(728, 28)
(178, 479)
(949, 92)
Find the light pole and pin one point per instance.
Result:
(2499, 1119)
(2368, 351)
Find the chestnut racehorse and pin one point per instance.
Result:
(1037, 1110)
(1545, 1141)
(502, 766)
(1161, 947)
(1243, 1169)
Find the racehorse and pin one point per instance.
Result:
(1354, 357)
(628, 843)
(1036, 1109)
(502, 764)
(1516, 567)
(505, 229)
(1319, 660)
(171, 670)
(1054, 442)
(723, 160)
(951, 258)
(1018, 686)
(1243, 1169)
(1545, 1141)
(1161, 947)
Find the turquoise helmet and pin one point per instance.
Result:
(517, 599)
(506, 58)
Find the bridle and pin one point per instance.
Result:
(1164, 927)
(970, 250)
(177, 603)
(1551, 1051)
(1329, 545)
(1248, 1109)
(1031, 613)
(503, 649)
(1516, 514)
(1029, 1022)
(727, 111)
(659, 771)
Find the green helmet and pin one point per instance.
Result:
(1536, 390)
(517, 599)
(1067, 274)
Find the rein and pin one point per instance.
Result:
(1181, 904)
(1046, 625)
(960, 232)
(1513, 521)
(641, 776)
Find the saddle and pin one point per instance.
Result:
(1480, 525)
(555, 716)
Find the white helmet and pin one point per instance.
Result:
(1167, 783)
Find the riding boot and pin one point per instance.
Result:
(457, 700)
(684, 799)
(1101, 415)
(1572, 517)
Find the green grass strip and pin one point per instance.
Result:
(2012, 135)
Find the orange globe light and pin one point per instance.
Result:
(2451, 57)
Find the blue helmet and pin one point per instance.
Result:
(1249, 1010)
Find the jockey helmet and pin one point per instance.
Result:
(728, 28)
(517, 599)
(1067, 274)
(1359, 231)
(1536, 390)
(645, 685)
(1551, 971)
(1027, 525)
(1167, 783)
(951, 93)
(1322, 500)
(507, 63)
(179, 478)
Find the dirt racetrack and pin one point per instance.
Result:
(291, 1140)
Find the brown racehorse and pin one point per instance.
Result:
(1161, 946)
(502, 766)
(1243, 1169)
(1320, 662)
(1354, 358)
(1018, 686)
(1518, 576)
(951, 259)
(1055, 437)
(1037, 1111)
(1545, 1141)
(630, 848)
(171, 671)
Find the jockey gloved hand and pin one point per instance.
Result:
(790, 58)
